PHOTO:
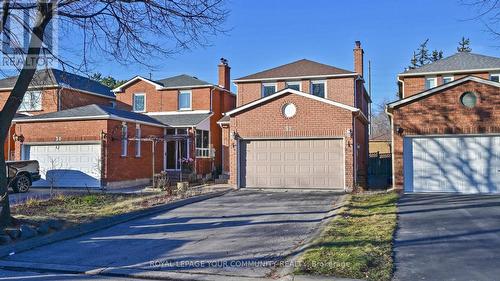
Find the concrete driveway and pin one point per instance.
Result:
(448, 237)
(242, 233)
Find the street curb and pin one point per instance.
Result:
(99, 224)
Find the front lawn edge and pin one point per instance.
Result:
(101, 223)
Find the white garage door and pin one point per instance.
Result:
(468, 164)
(67, 165)
(317, 163)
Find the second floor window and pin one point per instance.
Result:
(447, 79)
(430, 82)
(139, 103)
(184, 100)
(318, 88)
(268, 89)
(293, 85)
(32, 101)
(495, 77)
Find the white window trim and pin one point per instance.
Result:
(428, 78)
(190, 99)
(124, 141)
(451, 77)
(133, 102)
(294, 83)
(37, 109)
(318, 82)
(138, 135)
(495, 75)
(274, 84)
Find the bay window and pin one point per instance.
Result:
(203, 143)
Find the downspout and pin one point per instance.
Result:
(355, 144)
(391, 120)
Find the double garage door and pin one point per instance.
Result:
(67, 165)
(466, 164)
(304, 163)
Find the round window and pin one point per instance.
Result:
(289, 110)
(468, 99)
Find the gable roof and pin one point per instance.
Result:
(285, 91)
(174, 82)
(52, 77)
(424, 94)
(181, 81)
(182, 119)
(297, 69)
(459, 62)
(91, 112)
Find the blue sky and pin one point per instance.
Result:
(267, 33)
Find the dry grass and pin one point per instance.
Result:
(76, 209)
(357, 244)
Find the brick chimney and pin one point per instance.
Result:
(224, 74)
(358, 58)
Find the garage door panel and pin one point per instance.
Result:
(292, 163)
(466, 164)
(66, 165)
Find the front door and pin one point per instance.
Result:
(176, 151)
(171, 155)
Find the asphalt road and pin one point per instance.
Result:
(242, 233)
(448, 237)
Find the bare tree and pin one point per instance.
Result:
(488, 12)
(380, 124)
(126, 31)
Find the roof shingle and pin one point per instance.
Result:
(56, 77)
(182, 119)
(298, 68)
(92, 110)
(182, 80)
(461, 61)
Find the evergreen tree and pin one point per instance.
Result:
(436, 55)
(423, 56)
(464, 45)
(108, 80)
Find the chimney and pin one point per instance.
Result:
(224, 74)
(358, 58)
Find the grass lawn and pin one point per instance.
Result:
(75, 209)
(358, 243)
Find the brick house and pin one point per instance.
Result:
(189, 108)
(53, 90)
(446, 126)
(299, 125)
(149, 125)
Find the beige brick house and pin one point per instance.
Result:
(446, 126)
(299, 125)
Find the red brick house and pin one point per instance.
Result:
(189, 108)
(446, 126)
(299, 125)
(116, 142)
(53, 90)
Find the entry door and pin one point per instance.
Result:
(466, 164)
(176, 150)
(305, 163)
